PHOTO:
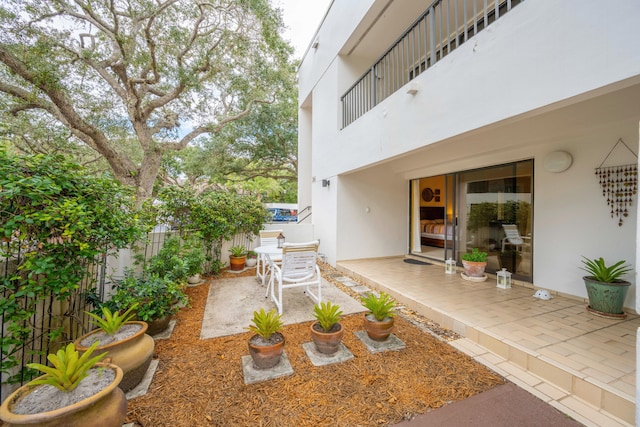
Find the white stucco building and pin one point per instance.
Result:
(418, 112)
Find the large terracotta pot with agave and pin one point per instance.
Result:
(106, 408)
(133, 353)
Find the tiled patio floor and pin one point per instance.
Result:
(582, 364)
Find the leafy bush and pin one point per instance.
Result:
(153, 296)
(58, 218)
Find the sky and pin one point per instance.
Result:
(302, 18)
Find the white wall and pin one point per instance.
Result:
(514, 66)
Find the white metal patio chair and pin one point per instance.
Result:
(298, 268)
(512, 237)
(267, 238)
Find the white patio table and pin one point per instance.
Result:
(268, 254)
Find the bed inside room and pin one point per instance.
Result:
(433, 230)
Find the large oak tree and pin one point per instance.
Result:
(134, 79)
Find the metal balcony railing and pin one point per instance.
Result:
(444, 26)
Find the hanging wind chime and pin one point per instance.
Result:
(619, 185)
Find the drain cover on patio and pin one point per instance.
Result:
(415, 261)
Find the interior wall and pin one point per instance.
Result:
(436, 185)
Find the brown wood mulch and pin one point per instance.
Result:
(200, 382)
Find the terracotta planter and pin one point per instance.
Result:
(474, 269)
(132, 354)
(327, 342)
(266, 355)
(378, 330)
(237, 262)
(606, 299)
(107, 408)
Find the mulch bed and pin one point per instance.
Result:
(200, 382)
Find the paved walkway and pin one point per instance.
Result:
(581, 364)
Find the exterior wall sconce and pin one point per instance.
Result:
(413, 88)
(557, 161)
(280, 240)
(326, 182)
(315, 44)
(504, 279)
(450, 266)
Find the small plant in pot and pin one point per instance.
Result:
(326, 331)
(76, 390)
(252, 259)
(474, 263)
(379, 321)
(267, 345)
(238, 257)
(193, 256)
(125, 341)
(605, 288)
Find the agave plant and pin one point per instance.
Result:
(380, 306)
(112, 322)
(68, 367)
(266, 323)
(598, 270)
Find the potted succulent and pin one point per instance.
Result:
(605, 289)
(379, 321)
(76, 390)
(267, 345)
(252, 259)
(326, 331)
(474, 263)
(125, 341)
(238, 257)
(156, 298)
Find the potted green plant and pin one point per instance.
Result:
(605, 289)
(193, 256)
(267, 345)
(156, 298)
(124, 340)
(252, 259)
(168, 263)
(327, 331)
(379, 321)
(510, 259)
(238, 257)
(474, 263)
(55, 398)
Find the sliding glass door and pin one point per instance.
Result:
(496, 215)
(489, 208)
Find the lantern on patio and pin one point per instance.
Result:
(450, 266)
(504, 279)
(280, 240)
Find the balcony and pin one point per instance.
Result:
(444, 26)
